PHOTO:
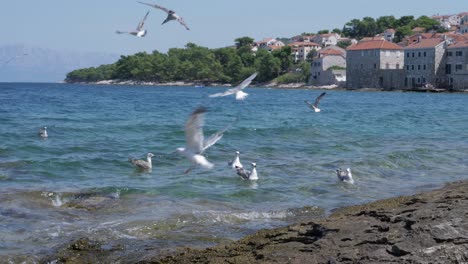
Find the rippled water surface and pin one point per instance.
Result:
(78, 182)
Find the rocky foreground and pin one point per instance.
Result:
(430, 227)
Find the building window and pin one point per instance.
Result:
(449, 54)
(448, 69)
(412, 67)
(419, 54)
(458, 53)
(419, 80)
(458, 67)
(398, 66)
(424, 54)
(362, 53)
(362, 66)
(412, 54)
(407, 67)
(424, 66)
(375, 66)
(387, 65)
(419, 67)
(407, 55)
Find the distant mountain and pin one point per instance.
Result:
(20, 63)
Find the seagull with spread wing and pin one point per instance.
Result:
(196, 144)
(317, 101)
(171, 15)
(240, 95)
(139, 32)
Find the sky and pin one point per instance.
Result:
(89, 25)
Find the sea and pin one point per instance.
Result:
(79, 182)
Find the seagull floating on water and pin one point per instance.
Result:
(240, 95)
(143, 164)
(171, 15)
(246, 174)
(196, 144)
(139, 32)
(236, 162)
(43, 132)
(317, 101)
(345, 175)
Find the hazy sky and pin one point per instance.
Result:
(89, 25)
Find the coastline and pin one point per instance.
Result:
(271, 85)
(429, 227)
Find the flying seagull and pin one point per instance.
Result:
(240, 95)
(236, 162)
(246, 174)
(317, 101)
(345, 175)
(43, 132)
(171, 15)
(143, 164)
(196, 144)
(139, 32)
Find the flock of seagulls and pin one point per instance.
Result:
(196, 144)
(140, 32)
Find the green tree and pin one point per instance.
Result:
(337, 30)
(268, 67)
(284, 55)
(401, 32)
(323, 31)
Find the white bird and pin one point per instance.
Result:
(43, 132)
(317, 101)
(240, 95)
(139, 32)
(171, 15)
(143, 164)
(345, 175)
(236, 162)
(196, 144)
(246, 174)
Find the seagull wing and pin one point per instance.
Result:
(226, 93)
(156, 6)
(182, 22)
(194, 131)
(140, 163)
(142, 22)
(236, 89)
(309, 104)
(243, 173)
(214, 138)
(317, 101)
(246, 82)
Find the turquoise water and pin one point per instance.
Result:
(78, 182)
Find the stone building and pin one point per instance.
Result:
(424, 62)
(329, 67)
(300, 50)
(374, 63)
(456, 68)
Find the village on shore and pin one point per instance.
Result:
(425, 60)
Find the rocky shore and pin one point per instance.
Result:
(430, 227)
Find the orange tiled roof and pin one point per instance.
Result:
(375, 44)
(273, 47)
(459, 44)
(425, 43)
(330, 52)
(301, 43)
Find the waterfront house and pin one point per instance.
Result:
(374, 63)
(424, 62)
(329, 67)
(389, 34)
(330, 39)
(267, 42)
(300, 50)
(463, 23)
(456, 68)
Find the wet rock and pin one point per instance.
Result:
(431, 227)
